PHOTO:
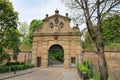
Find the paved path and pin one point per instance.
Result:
(18, 73)
(70, 74)
(42, 74)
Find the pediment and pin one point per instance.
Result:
(56, 24)
(53, 16)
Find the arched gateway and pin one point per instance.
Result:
(56, 55)
(56, 30)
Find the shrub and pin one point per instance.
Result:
(2, 69)
(29, 65)
(21, 63)
(6, 68)
(13, 63)
(12, 67)
(96, 77)
(89, 65)
(20, 67)
(87, 68)
(84, 69)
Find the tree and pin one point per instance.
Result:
(24, 30)
(35, 24)
(92, 13)
(111, 29)
(9, 35)
(88, 38)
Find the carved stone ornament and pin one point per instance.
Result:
(56, 37)
(56, 20)
(51, 25)
(61, 24)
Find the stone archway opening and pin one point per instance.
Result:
(56, 55)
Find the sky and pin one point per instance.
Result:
(37, 9)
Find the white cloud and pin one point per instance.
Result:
(30, 9)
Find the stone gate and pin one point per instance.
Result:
(56, 31)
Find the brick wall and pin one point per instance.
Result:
(24, 56)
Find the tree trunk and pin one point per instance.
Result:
(102, 66)
(101, 56)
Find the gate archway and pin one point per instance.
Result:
(56, 34)
(56, 55)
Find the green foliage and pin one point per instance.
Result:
(89, 65)
(23, 29)
(20, 67)
(87, 46)
(29, 65)
(110, 33)
(56, 54)
(13, 63)
(11, 66)
(35, 24)
(4, 56)
(112, 46)
(27, 35)
(2, 69)
(9, 35)
(96, 77)
(26, 41)
(84, 69)
(111, 29)
(88, 38)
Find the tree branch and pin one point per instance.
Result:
(112, 6)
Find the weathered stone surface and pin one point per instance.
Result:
(112, 58)
(56, 30)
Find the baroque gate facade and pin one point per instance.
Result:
(56, 31)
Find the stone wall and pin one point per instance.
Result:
(24, 56)
(112, 57)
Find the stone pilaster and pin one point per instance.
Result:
(67, 59)
(78, 56)
(34, 53)
(44, 61)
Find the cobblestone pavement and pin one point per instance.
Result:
(42, 74)
(52, 73)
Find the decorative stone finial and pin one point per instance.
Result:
(56, 11)
(66, 14)
(76, 25)
(46, 15)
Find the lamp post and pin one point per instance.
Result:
(16, 50)
(15, 57)
(15, 66)
(25, 61)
